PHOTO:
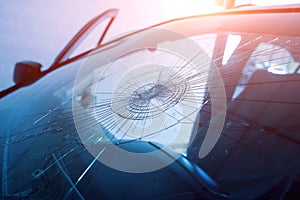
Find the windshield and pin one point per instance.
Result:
(187, 110)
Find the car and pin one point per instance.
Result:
(201, 107)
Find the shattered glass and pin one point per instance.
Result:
(43, 156)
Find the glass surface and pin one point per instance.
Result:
(256, 156)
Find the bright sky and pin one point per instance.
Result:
(38, 30)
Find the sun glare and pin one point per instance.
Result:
(179, 8)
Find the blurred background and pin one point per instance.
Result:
(38, 30)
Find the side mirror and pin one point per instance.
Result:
(27, 72)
